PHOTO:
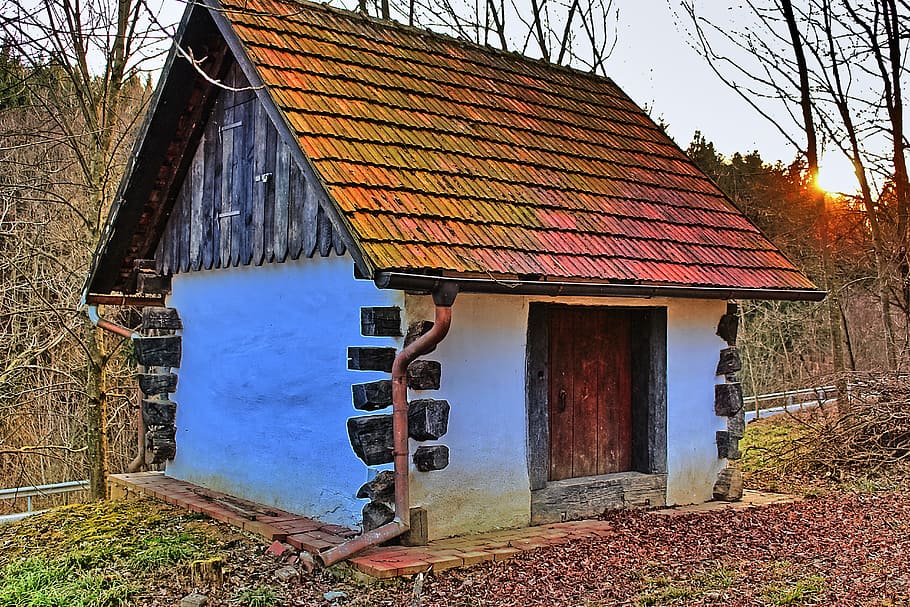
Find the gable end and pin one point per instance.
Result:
(244, 200)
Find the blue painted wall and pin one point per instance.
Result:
(264, 391)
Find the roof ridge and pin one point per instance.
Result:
(616, 94)
(421, 31)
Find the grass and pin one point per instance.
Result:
(796, 593)
(93, 555)
(766, 449)
(661, 591)
(260, 596)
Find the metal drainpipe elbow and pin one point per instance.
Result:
(101, 323)
(443, 298)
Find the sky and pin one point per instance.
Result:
(655, 64)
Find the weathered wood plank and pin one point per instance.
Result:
(179, 234)
(297, 195)
(268, 234)
(428, 458)
(244, 178)
(588, 497)
(153, 384)
(186, 219)
(560, 402)
(371, 438)
(158, 412)
(225, 217)
(727, 445)
(729, 361)
(262, 181)
(161, 351)
(338, 242)
(728, 399)
(197, 182)
(614, 411)
(160, 444)
(324, 232)
(237, 183)
(728, 327)
(282, 200)
(309, 220)
(380, 321)
(419, 532)
(162, 253)
(217, 160)
(373, 395)
(173, 241)
(380, 489)
(729, 485)
(376, 514)
(153, 284)
(424, 375)
(154, 317)
(428, 419)
(363, 358)
(536, 388)
(211, 159)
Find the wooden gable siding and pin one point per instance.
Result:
(243, 200)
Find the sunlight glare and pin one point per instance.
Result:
(836, 178)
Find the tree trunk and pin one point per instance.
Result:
(96, 415)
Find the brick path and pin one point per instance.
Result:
(307, 534)
(382, 561)
(271, 523)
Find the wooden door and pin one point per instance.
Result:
(589, 392)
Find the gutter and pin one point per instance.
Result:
(443, 297)
(422, 282)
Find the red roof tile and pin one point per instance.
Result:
(443, 155)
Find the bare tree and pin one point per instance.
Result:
(581, 33)
(80, 67)
(828, 73)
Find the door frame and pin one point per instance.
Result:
(649, 409)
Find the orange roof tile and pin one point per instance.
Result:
(444, 155)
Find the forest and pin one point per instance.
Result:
(76, 79)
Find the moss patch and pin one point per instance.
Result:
(95, 555)
(769, 453)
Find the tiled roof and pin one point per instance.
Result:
(444, 155)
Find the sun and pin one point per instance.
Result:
(836, 177)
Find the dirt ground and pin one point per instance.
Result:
(842, 549)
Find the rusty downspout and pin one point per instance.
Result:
(443, 298)
(101, 323)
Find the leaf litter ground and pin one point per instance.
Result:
(840, 547)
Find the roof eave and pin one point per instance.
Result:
(420, 282)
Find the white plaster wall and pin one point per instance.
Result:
(693, 350)
(486, 483)
(264, 392)
(483, 358)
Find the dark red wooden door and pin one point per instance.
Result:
(590, 392)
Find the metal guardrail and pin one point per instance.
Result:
(791, 400)
(37, 491)
(791, 397)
